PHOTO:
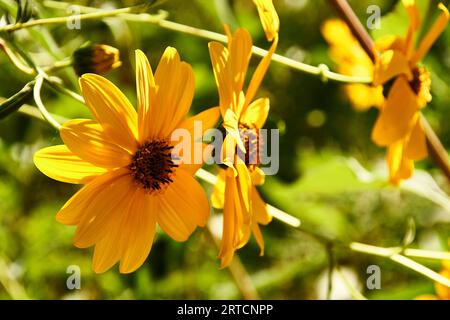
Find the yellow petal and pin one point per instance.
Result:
(218, 193)
(259, 238)
(400, 167)
(396, 119)
(259, 73)
(111, 109)
(87, 139)
(207, 119)
(175, 81)
(414, 25)
(259, 209)
(240, 49)
(139, 231)
(362, 97)
(109, 204)
(183, 207)
(269, 18)
(74, 209)
(258, 176)
(390, 64)
(416, 147)
(227, 247)
(146, 96)
(59, 163)
(108, 250)
(256, 113)
(222, 73)
(432, 35)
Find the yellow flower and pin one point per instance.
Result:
(407, 90)
(132, 181)
(352, 60)
(397, 76)
(243, 208)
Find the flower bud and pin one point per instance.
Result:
(99, 59)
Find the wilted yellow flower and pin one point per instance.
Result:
(243, 208)
(99, 59)
(352, 60)
(124, 158)
(407, 90)
(396, 75)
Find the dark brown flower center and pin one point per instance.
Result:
(419, 84)
(152, 165)
(252, 143)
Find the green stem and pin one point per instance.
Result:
(37, 98)
(321, 71)
(60, 20)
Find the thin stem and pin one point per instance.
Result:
(16, 61)
(238, 273)
(275, 212)
(37, 98)
(435, 147)
(321, 71)
(60, 20)
(353, 291)
(394, 255)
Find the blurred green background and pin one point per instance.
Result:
(325, 146)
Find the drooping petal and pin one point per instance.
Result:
(390, 64)
(146, 96)
(139, 230)
(397, 116)
(111, 109)
(183, 207)
(175, 81)
(400, 167)
(414, 25)
(259, 73)
(227, 247)
(256, 113)
(87, 139)
(222, 73)
(109, 204)
(59, 163)
(240, 49)
(432, 35)
(75, 208)
(416, 147)
(218, 194)
(259, 209)
(258, 176)
(259, 238)
(269, 18)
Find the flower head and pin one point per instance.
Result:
(406, 87)
(400, 86)
(243, 208)
(125, 159)
(99, 59)
(352, 60)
